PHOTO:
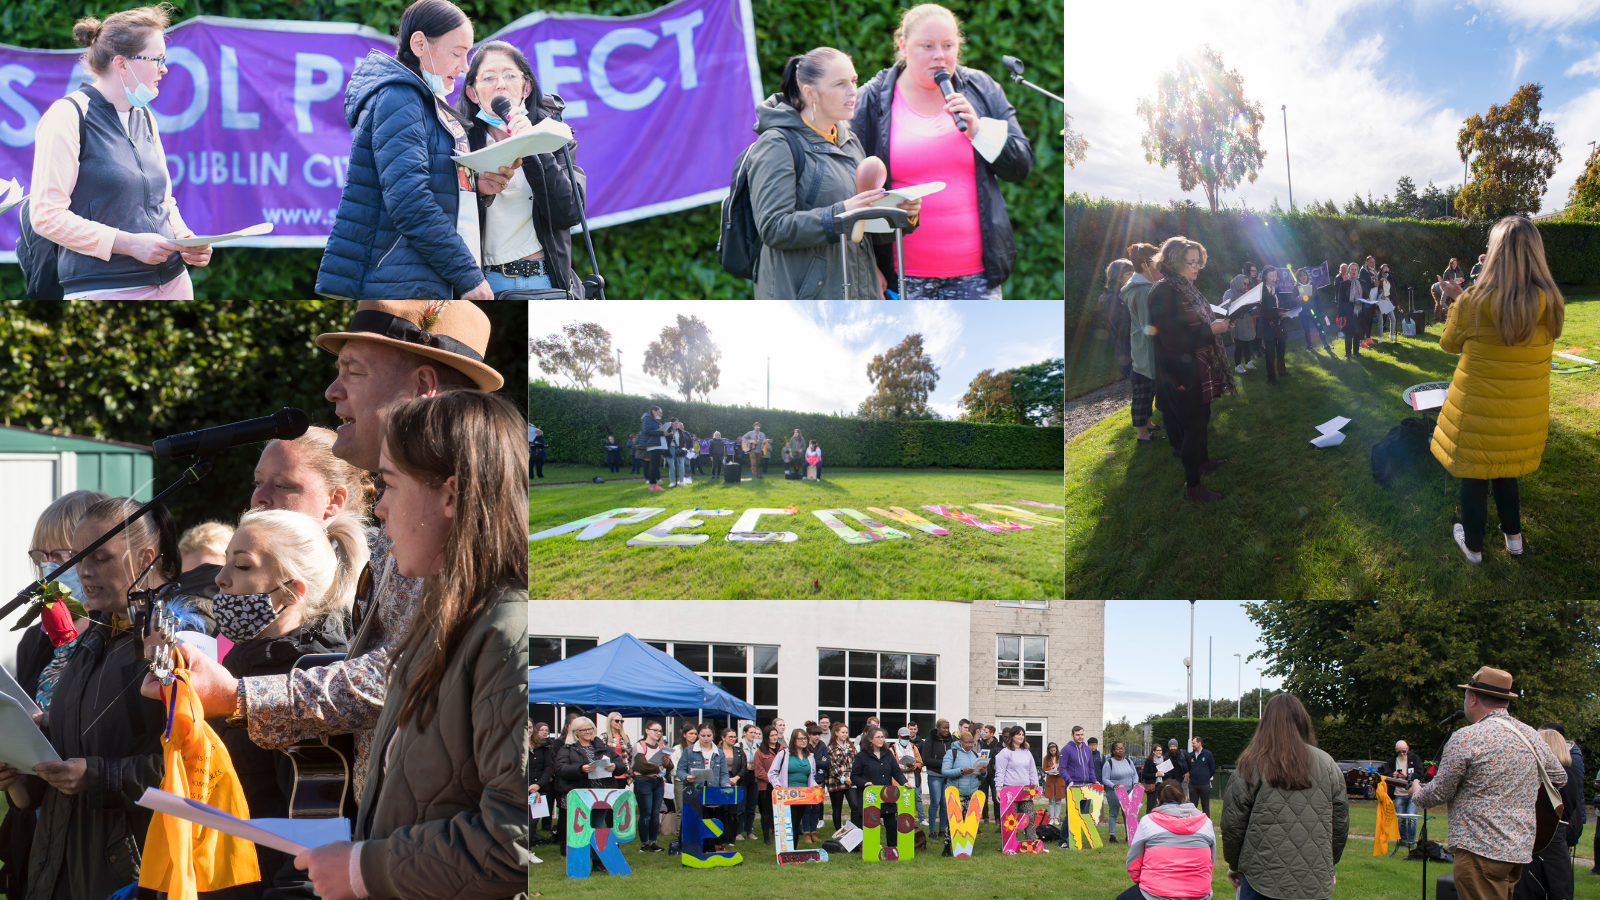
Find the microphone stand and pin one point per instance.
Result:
(594, 263)
(1016, 75)
(191, 475)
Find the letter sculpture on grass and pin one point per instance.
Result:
(744, 531)
(698, 827)
(1001, 509)
(954, 512)
(894, 805)
(1083, 828)
(606, 841)
(1130, 808)
(963, 828)
(661, 535)
(782, 799)
(875, 530)
(1017, 834)
(598, 524)
(1038, 504)
(907, 517)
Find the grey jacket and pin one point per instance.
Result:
(443, 811)
(1287, 842)
(800, 247)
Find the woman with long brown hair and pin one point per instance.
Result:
(1496, 414)
(1284, 815)
(443, 810)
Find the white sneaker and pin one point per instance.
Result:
(1461, 541)
(1251, 365)
(688, 481)
(1515, 549)
(1239, 369)
(534, 859)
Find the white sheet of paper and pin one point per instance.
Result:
(1331, 439)
(1221, 311)
(1434, 399)
(290, 836)
(849, 839)
(22, 744)
(1164, 766)
(1289, 313)
(10, 194)
(1577, 358)
(206, 643)
(1385, 307)
(600, 770)
(546, 137)
(899, 195)
(9, 687)
(538, 807)
(201, 240)
(1333, 424)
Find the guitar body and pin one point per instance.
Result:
(1546, 819)
(322, 788)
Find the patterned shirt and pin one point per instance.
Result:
(1490, 783)
(347, 696)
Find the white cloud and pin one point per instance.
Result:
(1546, 14)
(1516, 67)
(1589, 66)
(1472, 20)
(1574, 120)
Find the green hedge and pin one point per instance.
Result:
(674, 256)
(1101, 231)
(576, 422)
(1225, 738)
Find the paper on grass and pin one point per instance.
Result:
(202, 240)
(1333, 424)
(849, 838)
(22, 744)
(290, 836)
(10, 194)
(1434, 399)
(1331, 439)
(899, 195)
(10, 688)
(547, 136)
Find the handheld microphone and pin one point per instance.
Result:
(285, 424)
(501, 106)
(943, 79)
(1458, 714)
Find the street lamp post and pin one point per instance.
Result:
(1287, 168)
(619, 372)
(1188, 664)
(1211, 665)
(1260, 690)
(1240, 686)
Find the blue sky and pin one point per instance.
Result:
(1146, 641)
(1374, 90)
(819, 351)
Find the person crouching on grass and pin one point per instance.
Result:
(443, 812)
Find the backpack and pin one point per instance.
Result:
(38, 255)
(1047, 832)
(739, 243)
(1404, 447)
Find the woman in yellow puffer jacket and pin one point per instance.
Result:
(1497, 413)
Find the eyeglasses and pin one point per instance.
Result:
(495, 79)
(160, 61)
(56, 556)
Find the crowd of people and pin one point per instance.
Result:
(394, 544)
(663, 442)
(1491, 430)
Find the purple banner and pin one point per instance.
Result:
(251, 112)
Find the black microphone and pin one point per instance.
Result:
(284, 425)
(1012, 64)
(501, 106)
(943, 78)
(1458, 714)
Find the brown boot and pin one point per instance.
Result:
(1200, 494)
(1211, 465)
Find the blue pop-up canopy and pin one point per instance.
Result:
(628, 676)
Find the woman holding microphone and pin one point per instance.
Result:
(965, 249)
(100, 185)
(408, 223)
(796, 212)
(526, 219)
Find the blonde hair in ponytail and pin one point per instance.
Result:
(327, 558)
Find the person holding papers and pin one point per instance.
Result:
(1272, 327)
(796, 210)
(1496, 415)
(1191, 368)
(1244, 326)
(965, 249)
(526, 220)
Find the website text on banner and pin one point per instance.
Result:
(251, 112)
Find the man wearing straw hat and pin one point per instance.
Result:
(1490, 777)
(392, 351)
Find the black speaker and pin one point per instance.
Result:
(1446, 888)
(731, 472)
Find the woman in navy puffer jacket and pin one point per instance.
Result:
(399, 234)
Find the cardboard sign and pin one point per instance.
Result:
(963, 828)
(745, 531)
(1017, 834)
(782, 799)
(907, 517)
(1130, 808)
(600, 523)
(1083, 831)
(661, 535)
(1000, 509)
(875, 530)
(954, 512)
(606, 841)
(697, 828)
(896, 804)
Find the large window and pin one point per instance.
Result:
(745, 671)
(1020, 661)
(898, 688)
(1035, 732)
(541, 652)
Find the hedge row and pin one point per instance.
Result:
(576, 423)
(674, 256)
(1227, 738)
(1100, 231)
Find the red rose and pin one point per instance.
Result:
(56, 620)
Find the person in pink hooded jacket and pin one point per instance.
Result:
(1172, 851)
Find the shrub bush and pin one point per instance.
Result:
(576, 422)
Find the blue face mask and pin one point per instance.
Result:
(140, 96)
(70, 579)
(435, 82)
(492, 119)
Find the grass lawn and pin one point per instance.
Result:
(1079, 874)
(965, 564)
(1300, 521)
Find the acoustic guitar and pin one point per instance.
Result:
(322, 786)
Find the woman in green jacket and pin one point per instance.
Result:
(443, 812)
(1136, 297)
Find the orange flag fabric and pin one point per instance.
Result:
(180, 857)
(1387, 827)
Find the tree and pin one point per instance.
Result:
(1585, 192)
(1398, 661)
(1201, 122)
(1119, 730)
(685, 356)
(904, 378)
(988, 400)
(1076, 145)
(581, 351)
(1406, 203)
(1039, 392)
(1516, 157)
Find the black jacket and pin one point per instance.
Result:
(1180, 764)
(16, 833)
(1180, 333)
(933, 750)
(541, 765)
(1413, 762)
(555, 208)
(613, 453)
(1345, 292)
(869, 768)
(1148, 773)
(569, 765)
(871, 125)
(738, 765)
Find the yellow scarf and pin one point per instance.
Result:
(1387, 827)
(181, 857)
